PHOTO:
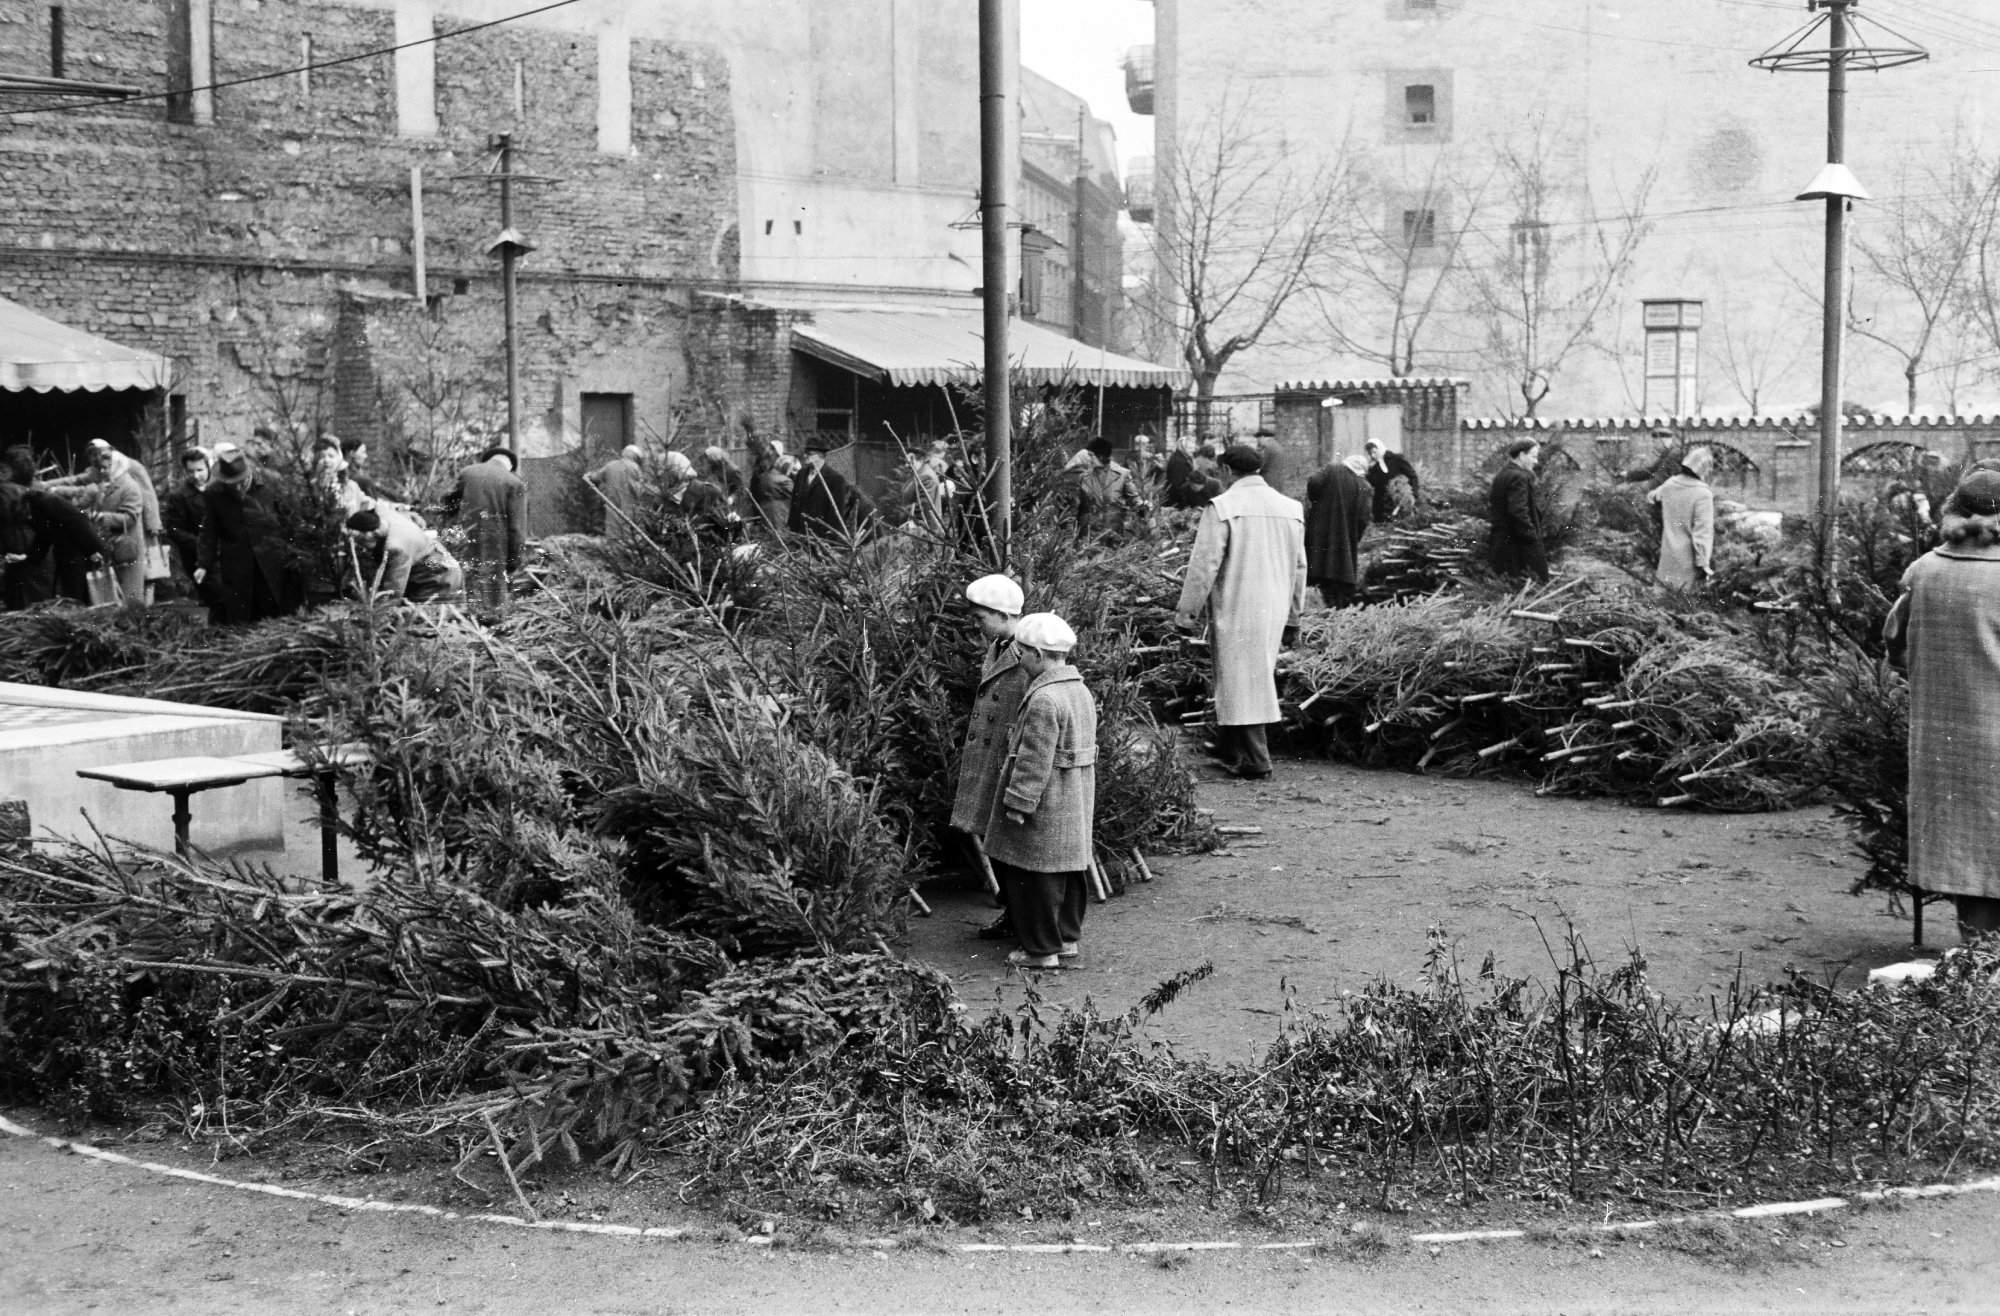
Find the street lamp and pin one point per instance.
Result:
(1837, 186)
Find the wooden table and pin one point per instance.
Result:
(180, 778)
(186, 777)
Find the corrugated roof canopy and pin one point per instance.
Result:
(37, 353)
(915, 347)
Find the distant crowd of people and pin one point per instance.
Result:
(237, 539)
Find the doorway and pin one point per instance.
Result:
(607, 426)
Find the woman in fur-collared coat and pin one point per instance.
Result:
(1953, 632)
(1043, 822)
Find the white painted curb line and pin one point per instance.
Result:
(1758, 1212)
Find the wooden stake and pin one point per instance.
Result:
(918, 901)
(1145, 873)
(986, 866)
(500, 1150)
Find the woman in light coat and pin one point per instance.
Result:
(1953, 632)
(117, 506)
(1687, 522)
(1040, 835)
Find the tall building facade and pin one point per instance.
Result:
(1483, 142)
(1073, 256)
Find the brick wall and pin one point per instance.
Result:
(1773, 460)
(261, 250)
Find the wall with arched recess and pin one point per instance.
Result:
(1780, 451)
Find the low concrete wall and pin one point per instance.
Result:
(39, 760)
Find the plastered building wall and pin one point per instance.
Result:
(1614, 89)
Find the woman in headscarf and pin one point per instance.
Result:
(1953, 632)
(1687, 522)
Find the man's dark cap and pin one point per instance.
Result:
(1243, 459)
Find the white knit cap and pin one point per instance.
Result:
(998, 593)
(1045, 631)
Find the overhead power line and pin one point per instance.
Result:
(296, 69)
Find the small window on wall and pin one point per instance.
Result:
(1420, 229)
(1420, 108)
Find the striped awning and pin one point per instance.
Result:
(41, 355)
(910, 347)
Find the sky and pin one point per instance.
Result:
(1081, 45)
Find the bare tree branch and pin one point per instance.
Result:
(1540, 286)
(1244, 236)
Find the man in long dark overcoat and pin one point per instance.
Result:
(492, 504)
(1337, 499)
(1515, 546)
(823, 502)
(242, 549)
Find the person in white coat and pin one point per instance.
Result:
(1687, 522)
(1248, 569)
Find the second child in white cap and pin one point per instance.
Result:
(996, 605)
(1039, 837)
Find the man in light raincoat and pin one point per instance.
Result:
(1249, 570)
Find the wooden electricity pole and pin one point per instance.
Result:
(996, 196)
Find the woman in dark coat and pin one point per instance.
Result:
(1515, 548)
(242, 549)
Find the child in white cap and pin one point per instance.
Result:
(1039, 837)
(996, 605)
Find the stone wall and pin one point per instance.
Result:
(269, 253)
(1766, 461)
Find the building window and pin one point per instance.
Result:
(56, 61)
(1417, 106)
(1419, 229)
(1420, 105)
(1420, 6)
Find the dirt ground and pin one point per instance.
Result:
(1351, 869)
(1354, 866)
(81, 1236)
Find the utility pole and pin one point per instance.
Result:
(1837, 186)
(510, 246)
(509, 257)
(996, 195)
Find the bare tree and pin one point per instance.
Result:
(1242, 235)
(1915, 273)
(1541, 285)
(1759, 343)
(1393, 268)
(446, 399)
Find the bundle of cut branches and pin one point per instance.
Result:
(1596, 693)
(415, 1004)
(1404, 560)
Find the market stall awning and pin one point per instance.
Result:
(915, 347)
(39, 354)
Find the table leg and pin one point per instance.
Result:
(182, 817)
(329, 827)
